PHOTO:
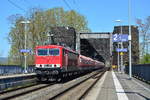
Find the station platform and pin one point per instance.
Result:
(16, 75)
(118, 86)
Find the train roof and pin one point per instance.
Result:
(84, 57)
(55, 46)
(48, 46)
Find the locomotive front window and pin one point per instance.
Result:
(54, 52)
(42, 52)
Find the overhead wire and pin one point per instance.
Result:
(76, 5)
(17, 6)
(67, 4)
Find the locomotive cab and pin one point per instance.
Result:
(52, 61)
(48, 58)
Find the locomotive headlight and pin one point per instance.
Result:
(37, 65)
(57, 65)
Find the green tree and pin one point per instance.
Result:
(145, 59)
(16, 37)
(40, 21)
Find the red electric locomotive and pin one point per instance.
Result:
(55, 62)
(51, 60)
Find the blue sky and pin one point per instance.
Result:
(100, 14)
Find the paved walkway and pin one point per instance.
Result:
(117, 86)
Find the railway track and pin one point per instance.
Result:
(79, 91)
(77, 88)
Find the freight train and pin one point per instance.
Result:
(54, 62)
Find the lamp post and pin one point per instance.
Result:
(25, 44)
(130, 60)
(121, 66)
(118, 59)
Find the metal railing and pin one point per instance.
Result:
(15, 69)
(140, 71)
